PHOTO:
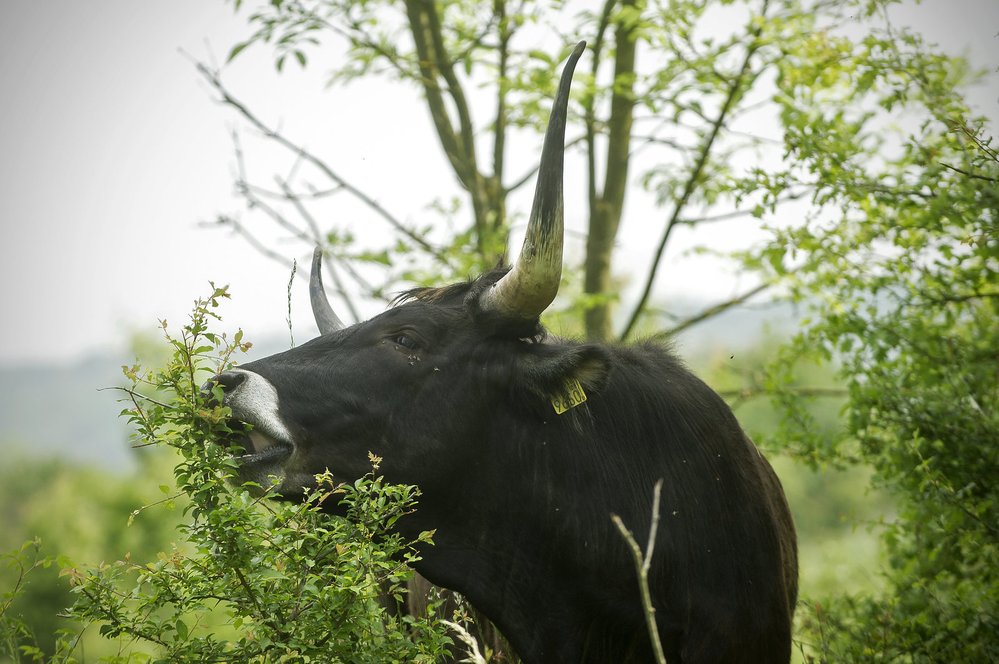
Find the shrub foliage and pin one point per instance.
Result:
(254, 579)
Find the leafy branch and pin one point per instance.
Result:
(250, 560)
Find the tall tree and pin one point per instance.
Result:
(901, 272)
(672, 101)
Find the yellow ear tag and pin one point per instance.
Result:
(572, 396)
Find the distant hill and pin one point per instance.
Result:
(60, 410)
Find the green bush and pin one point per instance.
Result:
(255, 579)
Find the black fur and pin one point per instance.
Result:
(521, 498)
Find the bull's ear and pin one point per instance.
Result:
(552, 370)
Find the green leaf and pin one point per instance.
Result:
(237, 49)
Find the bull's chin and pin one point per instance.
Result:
(265, 468)
(261, 459)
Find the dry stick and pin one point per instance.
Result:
(642, 564)
(301, 195)
(291, 280)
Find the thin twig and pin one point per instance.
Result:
(242, 185)
(741, 396)
(237, 227)
(318, 239)
(711, 312)
(216, 82)
(735, 214)
(134, 395)
(291, 280)
(292, 198)
(969, 174)
(524, 179)
(642, 565)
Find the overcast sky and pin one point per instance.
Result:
(112, 151)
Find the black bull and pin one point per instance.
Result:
(456, 388)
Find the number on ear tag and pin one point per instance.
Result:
(572, 396)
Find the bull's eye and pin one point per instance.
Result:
(405, 341)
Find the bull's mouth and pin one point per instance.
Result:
(253, 446)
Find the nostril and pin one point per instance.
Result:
(227, 380)
(230, 379)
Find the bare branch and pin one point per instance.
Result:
(368, 289)
(215, 81)
(255, 201)
(313, 194)
(317, 235)
(742, 395)
(755, 138)
(319, 239)
(647, 140)
(239, 229)
(520, 182)
(969, 174)
(291, 281)
(279, 219)
(711, 312)
(750, 392)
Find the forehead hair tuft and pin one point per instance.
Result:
(465, 295)
(451, 293)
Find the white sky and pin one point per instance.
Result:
(112, 151)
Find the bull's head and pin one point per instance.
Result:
(418, 383)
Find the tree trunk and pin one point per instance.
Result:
(606, 209)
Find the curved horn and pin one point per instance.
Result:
(327, 321)
(527, 290)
